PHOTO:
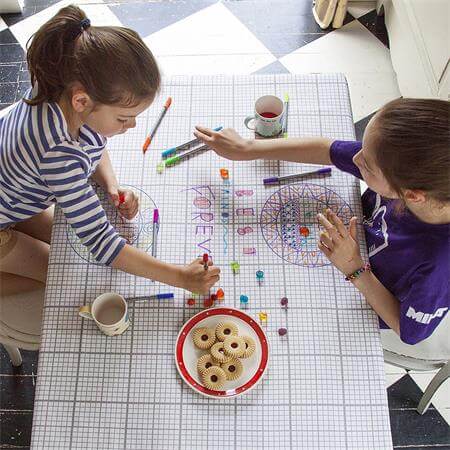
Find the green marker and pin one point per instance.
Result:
(285, 118)
(176, 159)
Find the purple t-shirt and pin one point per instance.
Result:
(410, 257)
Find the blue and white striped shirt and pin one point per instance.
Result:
(41, 164)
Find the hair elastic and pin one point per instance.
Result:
(83, 25)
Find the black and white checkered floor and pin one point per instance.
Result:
(234, 36)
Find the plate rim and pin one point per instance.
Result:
(265, 349)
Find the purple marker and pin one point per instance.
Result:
(155, 231)
(274, 180)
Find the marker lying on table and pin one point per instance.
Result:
(181, 147)
(155, 127)
(155, 231)
(274, 180)
(152, 297)
(175, 159)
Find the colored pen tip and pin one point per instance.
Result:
(205, 257)
(168, 102)
(146, 144)
(155, 216)
(286, 97)
(121, 198)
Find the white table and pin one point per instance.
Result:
(325, 383)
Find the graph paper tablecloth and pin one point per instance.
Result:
(325, 384)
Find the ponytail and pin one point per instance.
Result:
(112, 64)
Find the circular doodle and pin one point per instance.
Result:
(137, 232)
(289, 224)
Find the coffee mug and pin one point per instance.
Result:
(268, 117)
(109, 311)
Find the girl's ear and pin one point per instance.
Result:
(414, 195)
(81, 102)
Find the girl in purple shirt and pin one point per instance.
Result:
(404, 159)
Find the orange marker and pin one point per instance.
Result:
(155, 127)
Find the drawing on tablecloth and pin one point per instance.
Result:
(289, 224)
(137, 232)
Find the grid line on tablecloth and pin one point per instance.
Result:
(127, 388)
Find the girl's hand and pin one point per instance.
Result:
(339, 244)
(196, 279)
(126, 202)
(226, 143)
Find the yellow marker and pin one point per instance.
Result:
(262, 317)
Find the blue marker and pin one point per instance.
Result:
(153, 297)
(181, 147)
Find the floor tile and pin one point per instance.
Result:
(16, 428)
(10, 53)
(6, 37)
(17, 392)
(292, 27)
(358, 9)
(404, 394)
(275, 67)
(8, 92)
(371, 83)
(3, 25)
(147, 18)
(441, 399)
(208, 42)
(410, 428)
(98, 13)
(29, 363)
(23, 87)
(9, 72)
(392, 378)
(390, 369)
(375, 24)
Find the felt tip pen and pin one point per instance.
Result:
(205, 261)
(274, 180)
(175, 159)
(155, 231)
(157, 124)
(153, 297)
(285, 118)
(181, 147)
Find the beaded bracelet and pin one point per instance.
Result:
(357, 273)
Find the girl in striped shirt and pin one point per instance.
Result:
(88, 83)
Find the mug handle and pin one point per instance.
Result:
(247, 120)
(85, 312)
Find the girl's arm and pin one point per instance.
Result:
(340, 246)
(231, 145)
(380, 299)
(193, 277)
(104, 174)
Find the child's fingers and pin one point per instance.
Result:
(335, 219)
(325, 250)
(213, 271)
(206, 131)
(329, 227)
(204, 137)
(352, 228)
(325, 239)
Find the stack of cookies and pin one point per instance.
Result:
(226, 348)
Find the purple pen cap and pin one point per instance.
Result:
(270, 180)
(324, 170)
(155, 216)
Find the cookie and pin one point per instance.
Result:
(249, 346)
(225, 329)
(218, 353)
(204, 338)
(233, 369)
(234, 346)
(214, 378)
(205, 362)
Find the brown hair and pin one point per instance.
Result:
(112, 63)
(412, 146)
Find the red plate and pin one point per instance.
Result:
(186, 354)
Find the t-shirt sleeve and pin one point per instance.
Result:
(65, 170)
(342, 153)
(423, 305)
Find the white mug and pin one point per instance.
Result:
(268, 117)
(109, 311)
